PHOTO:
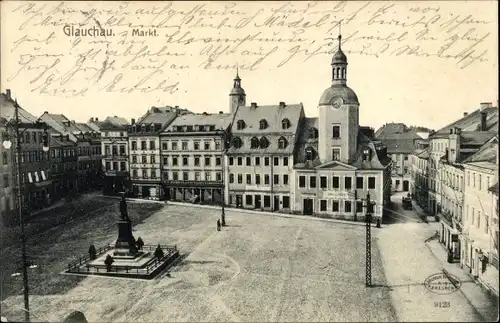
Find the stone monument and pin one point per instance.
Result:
(125, 246)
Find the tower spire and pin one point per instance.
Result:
(340, 34)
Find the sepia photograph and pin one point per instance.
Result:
(249, 161)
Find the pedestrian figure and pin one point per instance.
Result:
(378, 223)
(218, 225)
(108, 262)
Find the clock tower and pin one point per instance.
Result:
(237, 95)
(338, 115)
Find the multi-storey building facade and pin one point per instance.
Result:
(279, 159)
(115, 159)
(419, 173)
(192, 149)
(63, 165)
(400, 144)
(34, 162)
(7, 182)
(261, 155)
(348, 163)
(144, 143)
(480, 235)
(448, 149)
(88, 145)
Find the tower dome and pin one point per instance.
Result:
(237, 89)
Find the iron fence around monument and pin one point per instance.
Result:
(152, 265)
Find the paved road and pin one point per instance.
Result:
(397, 214)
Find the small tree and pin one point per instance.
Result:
(92, 252)
(139, 243)
(108, 262)
(159, 252)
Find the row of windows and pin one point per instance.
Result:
(88, 151)
(197, 176)
(194, 128)
(256, 199)
(475, 219)
(257, 161)
(335, 182)
(34, 156)
(113, 134)
(144, 173)
(115, 150)
(197, 160)
(174, 145)
(477, 181)
(121, 166)
(32, 137)
(57, 153)
(263, 124)
(257, 181)
(338, 206)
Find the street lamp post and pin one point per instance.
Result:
(7, 145)
(223, 146)
(368, 220)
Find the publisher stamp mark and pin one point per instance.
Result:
(442, 283)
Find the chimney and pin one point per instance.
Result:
(483, 115)
(253, 104)
(465, 114)
(92, 119)
(220, 112)
(177, 107)
(132, 121)
(8, 94)
(96, 119)
(282, 105)
(485, 105)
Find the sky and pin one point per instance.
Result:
(420, 63)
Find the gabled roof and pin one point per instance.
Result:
(109, 125)
(61, 124)
(7, 110)
(220, 120)
(471, 121)
(117, 120)
(307, 139)
(161, 115)
(274, 115)
(379, 159)
(400, 143)
(390, 128)
(487, 152)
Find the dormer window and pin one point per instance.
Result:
(366, 154)
(237, 143)
(254, 143)
(313, 133)
(282, 143)
(143, 128)
(264, 143)
(212, 128)
(263, 124)
(310, 153)
(134, 128)
(197, 128)
(189, 128)
(153, 127)
(240, 125)
(285, 124)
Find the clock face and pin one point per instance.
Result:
(336, 103)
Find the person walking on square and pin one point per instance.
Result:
(218, 225)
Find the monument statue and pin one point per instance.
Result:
(125, 244)
(123, 209)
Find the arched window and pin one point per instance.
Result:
(237, 143)
(264, 143)
(285, 123)
(282, 143)
(310, 153)
(240, 125)
(313, 133)
(338, 72)
(254, 143)
(262, 124)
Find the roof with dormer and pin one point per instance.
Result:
(273, 115)
(219, 120)
(7, 110)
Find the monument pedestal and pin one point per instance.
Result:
(125, 246)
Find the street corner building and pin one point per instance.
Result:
(280, 160)
(34, 179)
(192, 152)
(144, 143)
